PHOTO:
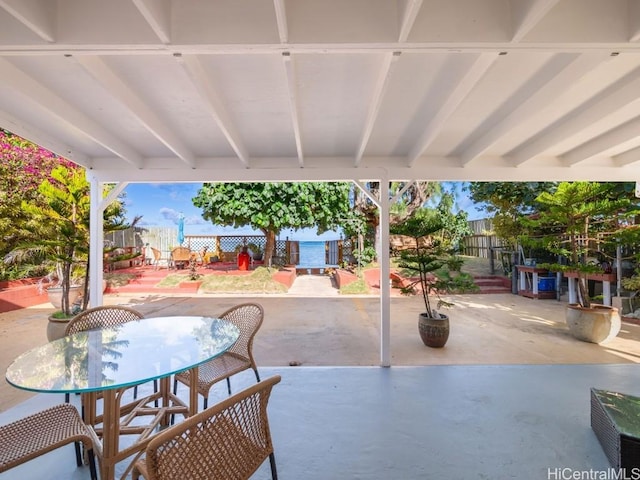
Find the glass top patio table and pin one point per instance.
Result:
(109, 360)
(133, 353)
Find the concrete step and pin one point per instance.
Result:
(488, 281)
(494, 289)
(492, 284)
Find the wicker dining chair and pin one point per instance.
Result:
(104, 317)
(180, 257)
(157, 258)
(248, 318)
(228, 441)
(42, 432)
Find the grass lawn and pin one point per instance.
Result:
(258, 281)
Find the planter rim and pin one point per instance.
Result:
(59, 320)
(442, 316)
(594, 306)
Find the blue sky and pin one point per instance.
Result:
(161, 204)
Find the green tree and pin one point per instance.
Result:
(273, 207)
(580, 220)
(507, 203)
(414, 196)
(455, 225)
(59, 229)
(433, 256)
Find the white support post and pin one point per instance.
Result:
(96, 243)
(385, 270)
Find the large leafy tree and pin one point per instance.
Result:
(273, 207)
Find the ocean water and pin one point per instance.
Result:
(312, 254)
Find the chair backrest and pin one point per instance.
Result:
(248, 318)
(181, 254)
(156, 254)
(229, 440)
(102, 317)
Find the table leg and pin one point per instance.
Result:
(89, 412)
(110, 434)
(165, 391)
(193, 392)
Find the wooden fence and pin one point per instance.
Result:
(482, 242)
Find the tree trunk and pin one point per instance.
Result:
(270, 246)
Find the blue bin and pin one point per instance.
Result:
(546, 284)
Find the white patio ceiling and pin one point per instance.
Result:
(197, 90)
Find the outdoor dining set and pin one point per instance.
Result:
(178, 257)
(107, 353)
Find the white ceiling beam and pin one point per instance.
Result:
(281, 19)
(408, 18)
(619, 95)
(37, 136)
(528, 14)
(557, 76)
(436, 170)
(157, 14)
(630, 157)
(131, 100)
(624, 133)
(292, 89)
(214, 104)
(460, 91)
(375, 101)
(37, 15)
(67, 114)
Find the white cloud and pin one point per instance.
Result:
(170, 214)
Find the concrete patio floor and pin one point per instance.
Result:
(498, 329)
(508, 397)
(459, 422)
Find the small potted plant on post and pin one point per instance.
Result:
(433, 257)
(576, 222)
(193, 281)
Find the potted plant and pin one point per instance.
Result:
(193, 281)
(581, 221)
(432, 256)
(60, 236)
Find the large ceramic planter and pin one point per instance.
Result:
(56, 328)
(55, 295)
(434, 332)
(598, 324)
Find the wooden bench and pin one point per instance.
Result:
(42, 432)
